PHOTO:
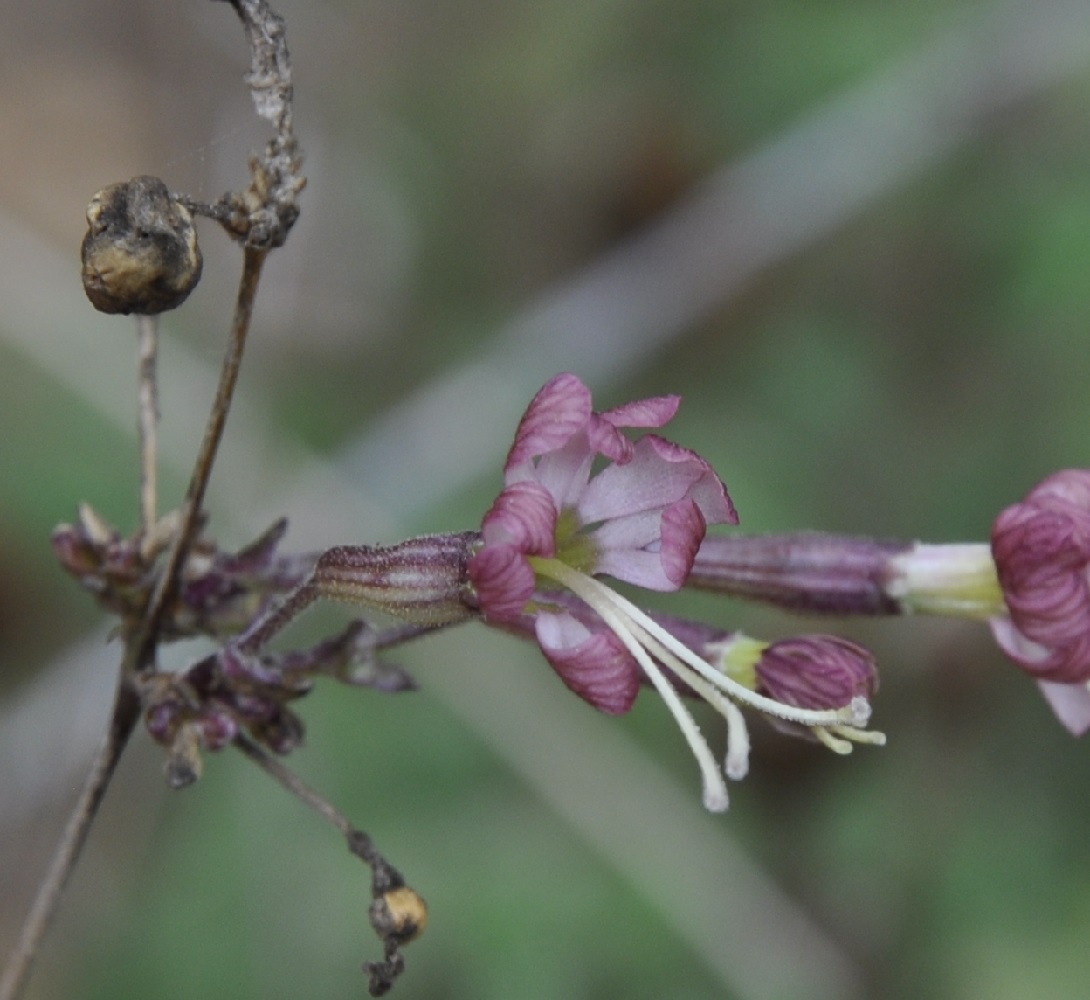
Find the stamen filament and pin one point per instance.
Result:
(871, 736)
(834, 743)
(736, 762)
(598, 595)
(716, 798)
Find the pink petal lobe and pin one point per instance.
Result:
(504, 581)
(524, 516)
(595, 665)
(659, 474)
(654, 551)
(683, 528)
(557, 413)
(654, 412)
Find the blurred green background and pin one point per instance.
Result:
(906, 355)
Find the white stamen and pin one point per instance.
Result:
(736, 763)
(871, 736)
(656, 650)
(597, 592)
(716, 798)
(834, 743)
(861, 710)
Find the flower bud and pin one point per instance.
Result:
(183, 764)
(1041, 548)
(816, 671)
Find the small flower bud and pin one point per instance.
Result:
(217, 728)
(140, 254)
(184, 765)
(816, 671)
(282, 734)
(163, 719)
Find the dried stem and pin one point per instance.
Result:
(397, 913)
(126, 713)
(147, 330)
(167, 585)
(262, 225)
(144, 635)
(294, 784)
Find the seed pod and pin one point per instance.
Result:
(140, 254)
(399, 915)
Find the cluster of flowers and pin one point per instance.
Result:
(582, 501)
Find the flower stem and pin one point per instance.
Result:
(294, 784)
(147, 329)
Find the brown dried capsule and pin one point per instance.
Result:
(399, 915)
(140, 254)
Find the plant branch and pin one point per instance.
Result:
(167, 584)
(397, 913)
(294, 784)
(147, 329)
(125, 714)
(262, 217)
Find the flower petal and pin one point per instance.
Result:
(563, 473)
(524, 516)
(504, 581)
(683, 528)
(653, 550)
(1071, 703)
(595, 665)
(1067, 664)
(560, 410)
(657, 411)
(659, 474)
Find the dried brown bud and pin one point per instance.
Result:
(140, 254)
(399, 915)
(184, 765)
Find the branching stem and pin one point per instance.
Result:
(397, 913)
(167, 585)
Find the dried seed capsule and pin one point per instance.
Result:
(140, 254)
(399, 915)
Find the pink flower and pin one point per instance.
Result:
(640, 518)
(581, 500)
(1041, 548)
